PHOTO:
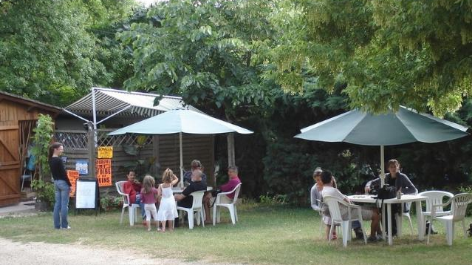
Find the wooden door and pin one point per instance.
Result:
(9, 165)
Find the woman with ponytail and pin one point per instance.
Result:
(61, 186)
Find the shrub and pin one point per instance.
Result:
(44, 191)
(110, 203)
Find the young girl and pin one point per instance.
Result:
(148, 197)
(167, 208)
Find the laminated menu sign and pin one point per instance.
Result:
(81, 166)
(103, 167)
(72, 175)
(86, 194)
(105, 152)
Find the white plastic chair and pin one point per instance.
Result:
(436, 197)
(231, 206)
(197, 207)
(320, 212)
(132, 208)
(336, 217)
(459, 205)
(407, 216)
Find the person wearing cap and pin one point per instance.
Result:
(195, 165)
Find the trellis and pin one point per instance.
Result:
(73, 139)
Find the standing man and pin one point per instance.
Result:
(233, 181)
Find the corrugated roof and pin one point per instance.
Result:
(109, 101)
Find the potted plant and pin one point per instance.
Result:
(43, 186)
(45, 194)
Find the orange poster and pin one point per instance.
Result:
(103, 167)
(73, 175)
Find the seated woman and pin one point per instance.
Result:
(195, 165)
(400, 181)
(316, 200)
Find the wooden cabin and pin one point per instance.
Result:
(18, 117)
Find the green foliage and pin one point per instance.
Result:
(45, 191)
(43, 134)
(211, 54)
(110, 203)
(44, 48)
(54, 51)
(389, 53)
(141, 166)
(272, 200)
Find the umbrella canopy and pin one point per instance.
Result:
(181, 121)
(401, 127)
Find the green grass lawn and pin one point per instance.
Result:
(264, 235)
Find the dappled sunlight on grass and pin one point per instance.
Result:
(264, 235)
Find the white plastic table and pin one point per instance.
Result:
(180, 190)
(417, 199)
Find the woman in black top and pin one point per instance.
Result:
(61, 185)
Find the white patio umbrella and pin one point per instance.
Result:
(181, 121)
(403, 126)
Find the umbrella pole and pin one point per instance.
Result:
(181, 162)
(382, 166)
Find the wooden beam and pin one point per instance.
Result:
(8, 127)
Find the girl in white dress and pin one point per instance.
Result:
(167, 208)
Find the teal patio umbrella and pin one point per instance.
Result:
(401, 127)
(181, 121)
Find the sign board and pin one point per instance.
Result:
(86, 194)
(105, 152)
(103, 167)
(72, 175)
(82, 167)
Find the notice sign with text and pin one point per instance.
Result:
(105, 152)
(72, 175)
(103, 167)
(86, 195)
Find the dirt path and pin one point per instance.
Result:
(58, 254)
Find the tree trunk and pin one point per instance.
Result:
(231, 156)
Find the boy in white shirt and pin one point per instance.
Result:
(367, 212)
